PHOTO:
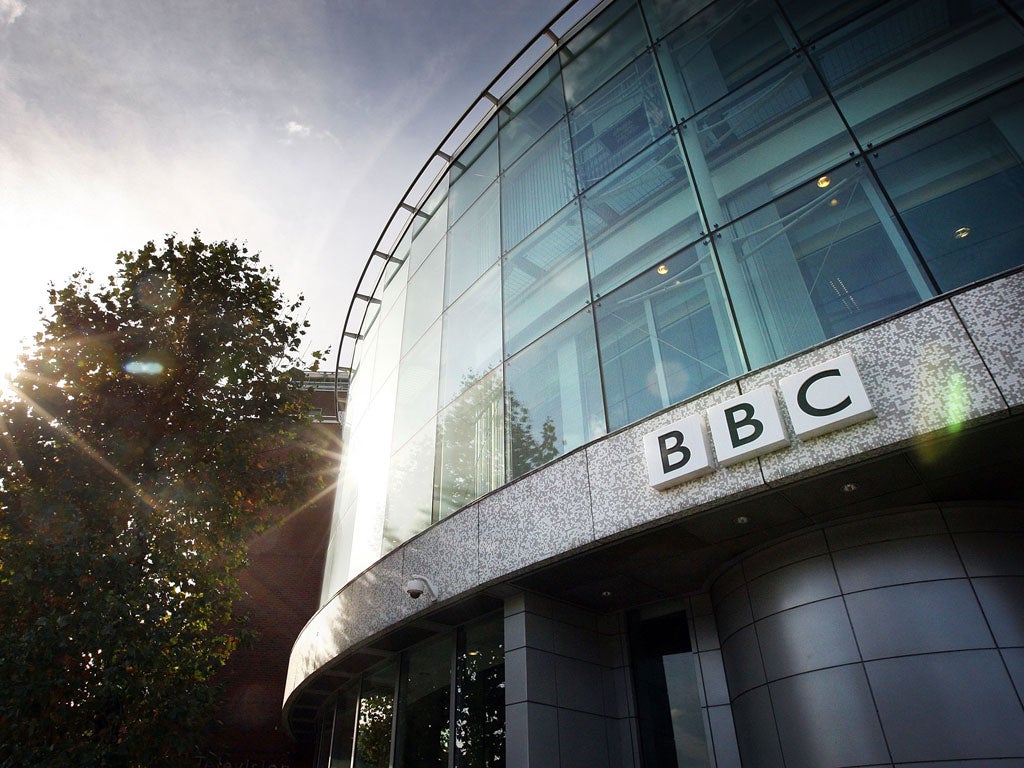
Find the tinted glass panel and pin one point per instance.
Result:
(618, 121)
(664, 337)
(474, 243)
(601, 49)
(763, 140)
(909, 61)
(473, 170)
(541, 182)
(665, 15)
(344, 729)
(959, 186)
(472, 440)
(376, 710)
(424, 298)
(668, 704)
(719, 50)
(472, 336)
(813, 18)
(480, 696)
(417, 386)
(544, 279)
(411, 488)
(429, 227)
(639, 215)
(553, 396)
(529, 114)
(818, 262)
(425, 700)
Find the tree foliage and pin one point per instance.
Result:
(142, 444)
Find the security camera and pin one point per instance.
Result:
(418, 585)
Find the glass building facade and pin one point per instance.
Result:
(674, 203)
(680, 192)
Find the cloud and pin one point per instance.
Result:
(293, 128)
(11, 10)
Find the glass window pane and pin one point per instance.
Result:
(411, 488)
(376, 709)
(910, 61)
(429, 228)
(472, 442)
(425, 699)
(480, 695)
(639, 215)
(823, 260)
(763, 140)
(553, 396)
(544, 279)
(474, 243)
(959, 186)
(472, 336)
(665, 15)
(529, 114)
(473, 171)
(665, 336)
(618, 121)
(721, 49)
(344, 728)
(601, 49)
(667, 699)
(424, 297)
(541, 182)
(389, 343)
(417, 385)
(813, 18)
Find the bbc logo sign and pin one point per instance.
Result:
(820, 399)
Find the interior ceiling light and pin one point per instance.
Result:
(742, 520)
(834, 202)
(824, 181)
(662, 269)
(849, 488)
(961, 232)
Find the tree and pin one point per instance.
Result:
(142, 445)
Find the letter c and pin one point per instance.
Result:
(806, 407)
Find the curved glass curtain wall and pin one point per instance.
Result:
(680, 193)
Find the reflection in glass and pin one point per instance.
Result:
(667, 700)
(665, 15)
(344, 728)
(376, 708)
(424, 297)
(472, 441)
(530, 112)
(618, 121)
(909, 61)
(417, 385)
(553, 396)
(544, 279)
(474, 243)
(423, 723)
(480, 695)
(429, 227)
(763, 140)
(473, 171)
(813, 18)
(541, 182)
(389, 343)
(816, 263)
(639, 215)
(664, 337)
(471, 341)
(959, 187)
(411, 488)
(601, 49)
(719, 50)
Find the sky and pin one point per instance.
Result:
(293, 126)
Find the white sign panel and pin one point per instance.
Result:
(746, 426)
(677, 453)
(826, 397)
(819, 399)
